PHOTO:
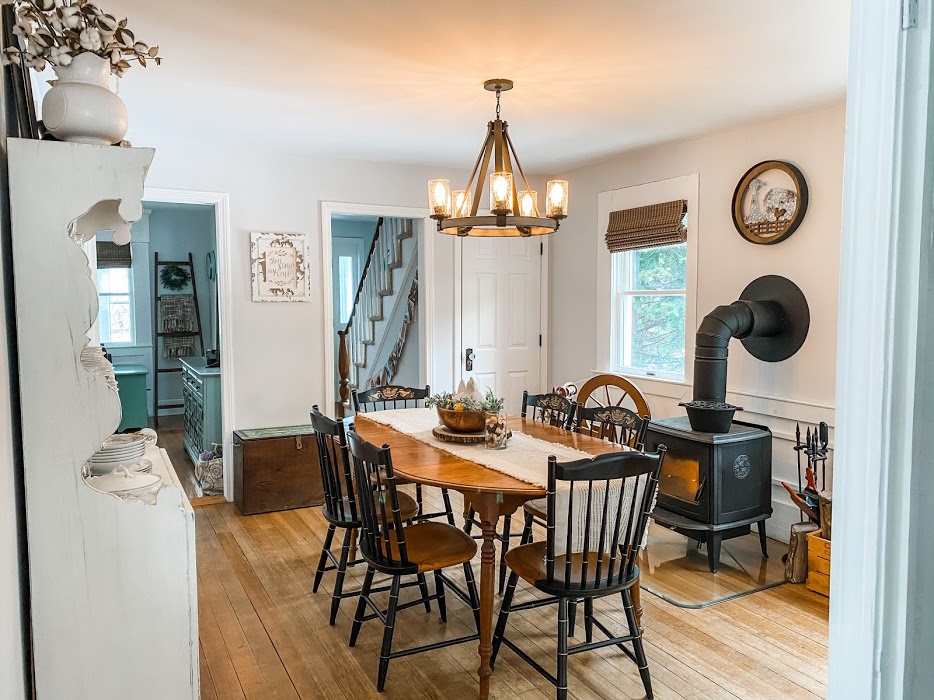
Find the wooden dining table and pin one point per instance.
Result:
(492, 494)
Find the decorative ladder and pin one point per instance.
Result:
(376, 284)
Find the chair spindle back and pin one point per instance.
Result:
(336, 472)
(550, 409)
(613, 423)
(390, 396)
(382, 539)
(617, 524)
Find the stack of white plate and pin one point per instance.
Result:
(121, 451)
(92, 357)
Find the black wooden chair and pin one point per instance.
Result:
(388, 397)
(391, 548)
(340, 506)
(597, 559)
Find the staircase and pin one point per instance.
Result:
(387, 290)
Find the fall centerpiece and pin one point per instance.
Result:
(465, 411)
(84, 46)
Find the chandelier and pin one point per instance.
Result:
(512, 212)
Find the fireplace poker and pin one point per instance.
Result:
(824, 441)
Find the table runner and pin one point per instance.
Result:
(525, 458)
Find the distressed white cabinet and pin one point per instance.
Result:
(112, 580)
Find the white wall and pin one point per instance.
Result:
(777, 395)
(277, 349)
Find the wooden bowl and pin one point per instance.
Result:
(462, 421)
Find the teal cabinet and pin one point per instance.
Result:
(131, 385)
(201, 394)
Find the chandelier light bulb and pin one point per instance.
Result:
(528, 203)
(462, 200)
(501, 193)
(439, 198)
(557, 199)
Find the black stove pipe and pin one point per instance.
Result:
(741, 319)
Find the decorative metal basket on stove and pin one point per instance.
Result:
(717, 478)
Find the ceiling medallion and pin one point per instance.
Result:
(512, 213)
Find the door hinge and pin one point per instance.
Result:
(541, 248)
(909, 14)
(539, 340)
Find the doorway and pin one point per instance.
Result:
(503, 312)
(160, 321)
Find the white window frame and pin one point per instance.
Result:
(131, 295)
(622, 293)
(683, 187)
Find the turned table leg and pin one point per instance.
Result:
(487, 575)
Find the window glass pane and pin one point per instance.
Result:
(659, 268)
(103, 281)
(119, 280)
(346, 286)
(656, 325)
(121, 329)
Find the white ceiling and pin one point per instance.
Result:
(401, 80)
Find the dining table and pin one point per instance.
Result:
(493, 494)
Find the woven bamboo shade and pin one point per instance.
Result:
(111, 255)
(651, 226)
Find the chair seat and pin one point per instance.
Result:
(408, 509)
(528, 561)
(400, 480)
(537, 508)
(432, 546)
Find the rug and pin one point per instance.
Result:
(675, 569)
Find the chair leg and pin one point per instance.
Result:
(588, 620)
(439, 589)
(472, 593)
(447, 507)
(468, 519)
(322, 562)
(562, 675)
(339, 581)
(423, 589)
(361, 605)
(637, 647)
(500, 630)
(572, 617)
(527, 529)
(387, 633)
(507, 526)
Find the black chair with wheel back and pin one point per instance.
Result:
(389, 397)
(391, 548)
(593, 558)
(340, 507)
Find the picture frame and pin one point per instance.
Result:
(280, 268)
(770, 202)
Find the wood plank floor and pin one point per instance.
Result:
(264, 635)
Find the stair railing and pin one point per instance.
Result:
(345, 354)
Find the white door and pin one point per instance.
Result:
(501, 315)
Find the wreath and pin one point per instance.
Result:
(174, 277)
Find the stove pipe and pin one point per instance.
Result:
(741, 319)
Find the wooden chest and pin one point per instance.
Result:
(818, 564)
(276, 469)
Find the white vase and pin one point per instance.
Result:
(81, 107)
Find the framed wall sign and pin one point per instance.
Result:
(280, 266)
(770, 202)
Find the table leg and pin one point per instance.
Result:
(487, 574)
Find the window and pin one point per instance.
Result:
(648, 311)
(115, 292)
(346, 289)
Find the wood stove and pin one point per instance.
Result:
(713, 486)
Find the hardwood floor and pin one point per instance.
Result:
(264, 635)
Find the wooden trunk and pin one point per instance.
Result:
(818, 564)
(796, 566)
(276, 469)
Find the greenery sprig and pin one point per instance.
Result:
(53, 32)
(449, 402)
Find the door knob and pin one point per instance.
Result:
(470, 356)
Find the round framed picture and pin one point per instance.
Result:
(770, 202)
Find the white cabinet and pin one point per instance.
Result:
(112, 580)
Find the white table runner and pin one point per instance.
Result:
(525, 458)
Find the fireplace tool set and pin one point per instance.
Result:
(814, 447)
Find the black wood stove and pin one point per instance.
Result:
(716, 479)
(713, 486)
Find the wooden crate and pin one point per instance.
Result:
(818, 564)
(276, 469)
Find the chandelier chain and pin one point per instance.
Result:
(498, 92)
